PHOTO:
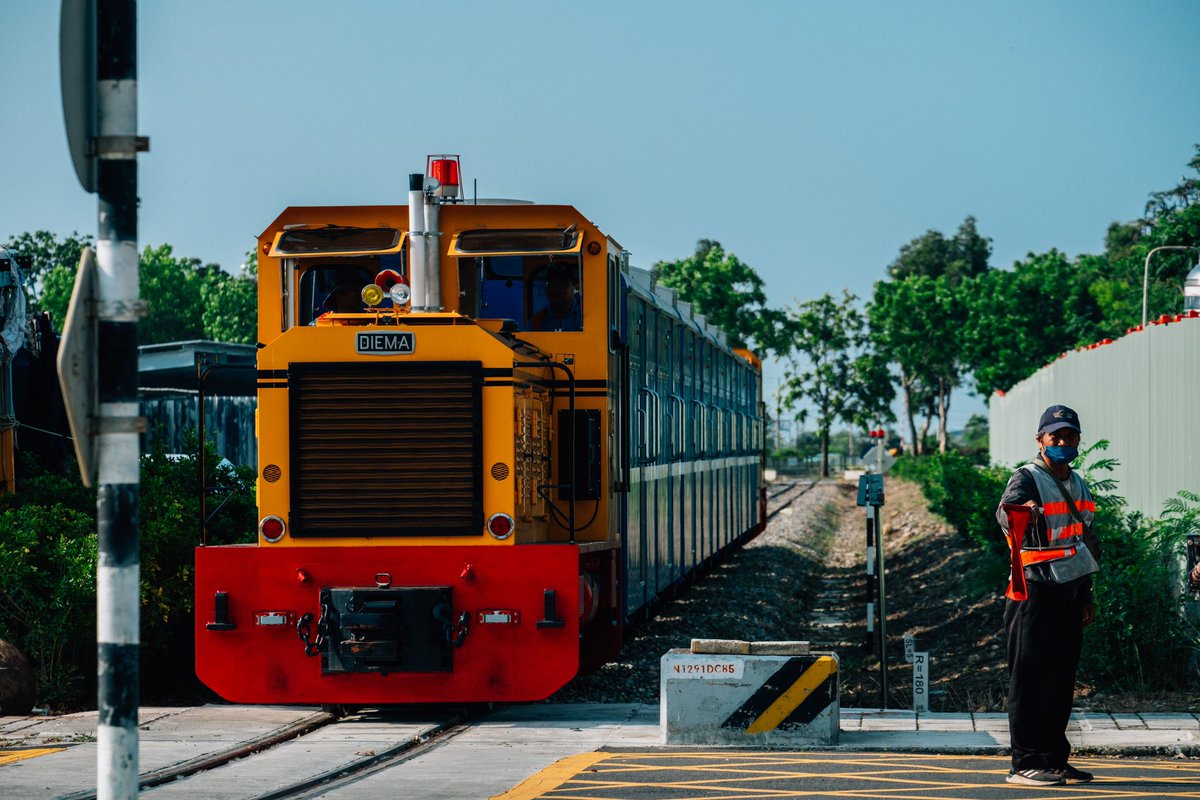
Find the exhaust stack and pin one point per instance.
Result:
(418, 269)
(433, 255)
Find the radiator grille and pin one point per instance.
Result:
(386, 449)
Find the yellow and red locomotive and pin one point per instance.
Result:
(486, 444)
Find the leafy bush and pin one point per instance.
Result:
(1140, 639)
(170, 531)
(48, 572)
(964, 494)
(48, 598)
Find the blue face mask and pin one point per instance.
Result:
(1062, 455)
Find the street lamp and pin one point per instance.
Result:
(1146, 274)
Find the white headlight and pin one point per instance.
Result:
(400, 294)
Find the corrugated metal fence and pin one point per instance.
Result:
(229, 423)
(1140, 393)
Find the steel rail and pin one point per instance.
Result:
(354, 771)
(771, 514)
(218, 758)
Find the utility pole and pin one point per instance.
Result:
(98, 43)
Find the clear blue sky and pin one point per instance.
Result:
(812, 139)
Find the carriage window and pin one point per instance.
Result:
(537, 293)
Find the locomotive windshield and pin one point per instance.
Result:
(530, 277)
(337, 285)
(537, 293)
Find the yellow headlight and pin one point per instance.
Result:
(372, 295)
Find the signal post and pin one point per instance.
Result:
(98, 357)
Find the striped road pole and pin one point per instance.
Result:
(116, 335)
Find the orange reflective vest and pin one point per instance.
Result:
(1059, 538)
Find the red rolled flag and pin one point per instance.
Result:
(1019, 518)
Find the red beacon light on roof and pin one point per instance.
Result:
(446, 172)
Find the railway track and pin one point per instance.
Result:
(280, 762)
(375, 762)
(780, 496)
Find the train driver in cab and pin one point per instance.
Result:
(563, 311)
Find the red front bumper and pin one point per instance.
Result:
(498, 660)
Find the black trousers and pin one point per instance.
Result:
(1045, 635)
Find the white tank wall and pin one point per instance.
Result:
(1139, 393)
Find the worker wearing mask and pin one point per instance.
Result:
(1049, 599)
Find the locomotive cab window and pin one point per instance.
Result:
(530, 278)
(328, 266)
(555, 298)
(337, 287)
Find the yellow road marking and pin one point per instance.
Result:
(553, 776)
(796, 694)
(10, 756)
(738, 772)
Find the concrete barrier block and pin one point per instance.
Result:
(779, 648)
(724, 647)
(749, 700)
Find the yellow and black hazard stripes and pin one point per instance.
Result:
(793, 695)
(742, 774)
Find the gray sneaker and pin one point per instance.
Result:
(1072, 775)
(1036, 777)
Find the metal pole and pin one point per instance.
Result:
(870, 561)
(117, 568)
(1146, 274)
(883, 675)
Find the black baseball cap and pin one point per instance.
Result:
(558, 271)
(1057, 417)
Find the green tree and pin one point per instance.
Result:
(1047, 304)
(49, 265)
(171, 290)
(915, 324)
(1172, 217)
(230, 304)
(840, 378)
(917, 317)
(184, 298)
(729, 293)
(932, 255)
(1023, 318)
